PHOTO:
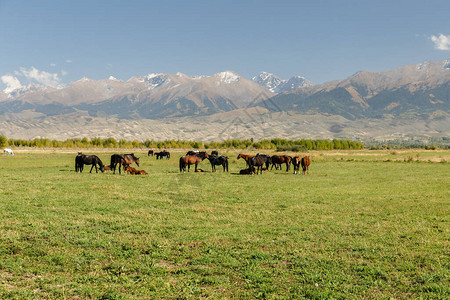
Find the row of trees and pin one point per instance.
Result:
(278, 144)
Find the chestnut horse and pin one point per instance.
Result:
(130, 159)
(188, 160)
(305, 162)
(246, 157)
(133, 171)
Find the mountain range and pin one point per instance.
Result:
(413, 92)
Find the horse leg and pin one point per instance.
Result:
(92, 168)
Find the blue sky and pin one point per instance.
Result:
(56, 42)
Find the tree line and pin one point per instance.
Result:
(275, 144)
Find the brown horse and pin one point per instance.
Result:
(305, 162)
(296, 163)
(188, 160)
(130, 159)
(278, 160)
(259, 161)
(246, 157)
(150, 152)
(133, 171)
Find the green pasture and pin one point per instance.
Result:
(360, 225)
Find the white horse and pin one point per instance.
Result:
(8, 151)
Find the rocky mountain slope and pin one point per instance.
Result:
(151, 96)
(419, 90)
(408, 102)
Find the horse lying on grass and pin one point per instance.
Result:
(133, 171)
(249, 171)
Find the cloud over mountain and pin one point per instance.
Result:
(441, 42)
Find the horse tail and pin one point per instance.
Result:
(226, 163)
(181, 164)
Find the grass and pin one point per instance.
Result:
(361, 225)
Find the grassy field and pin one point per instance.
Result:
(367, 224)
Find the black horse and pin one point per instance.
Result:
(164, 153)
(81, 160)
(117, 159)
(217, 161)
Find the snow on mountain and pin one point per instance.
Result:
(268, 80)
(227, 76)
(277, 85)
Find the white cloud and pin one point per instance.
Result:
(42, 77)
(63, 73)
(11, 82)
(52, 65)
(441, 42)
(68, 61)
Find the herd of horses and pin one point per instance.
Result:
(122, 160)
(256, 164)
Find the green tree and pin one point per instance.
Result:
(3, 141)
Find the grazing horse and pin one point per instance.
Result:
(188, 160)
(117, 159)
(129, 160)
(246, 157)
(249, 171)
(133, 171)
(214, 153)
(278, 160)
(150, 152)
(81, 160)
(305, 162)
(8, 151)
(259, 161)
(164, 153)
(217, 161)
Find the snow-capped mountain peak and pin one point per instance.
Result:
(227, 76)
(277, 85)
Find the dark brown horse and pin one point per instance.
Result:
(296, 163)
(305, 162)
(249, 171)
(258, 161)
(214, 153)
(278, 160)
(246, 157)
(188, 160)
(150, 152)
(117, 159)
(164, 153)
(217, 161)
(81, 160)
